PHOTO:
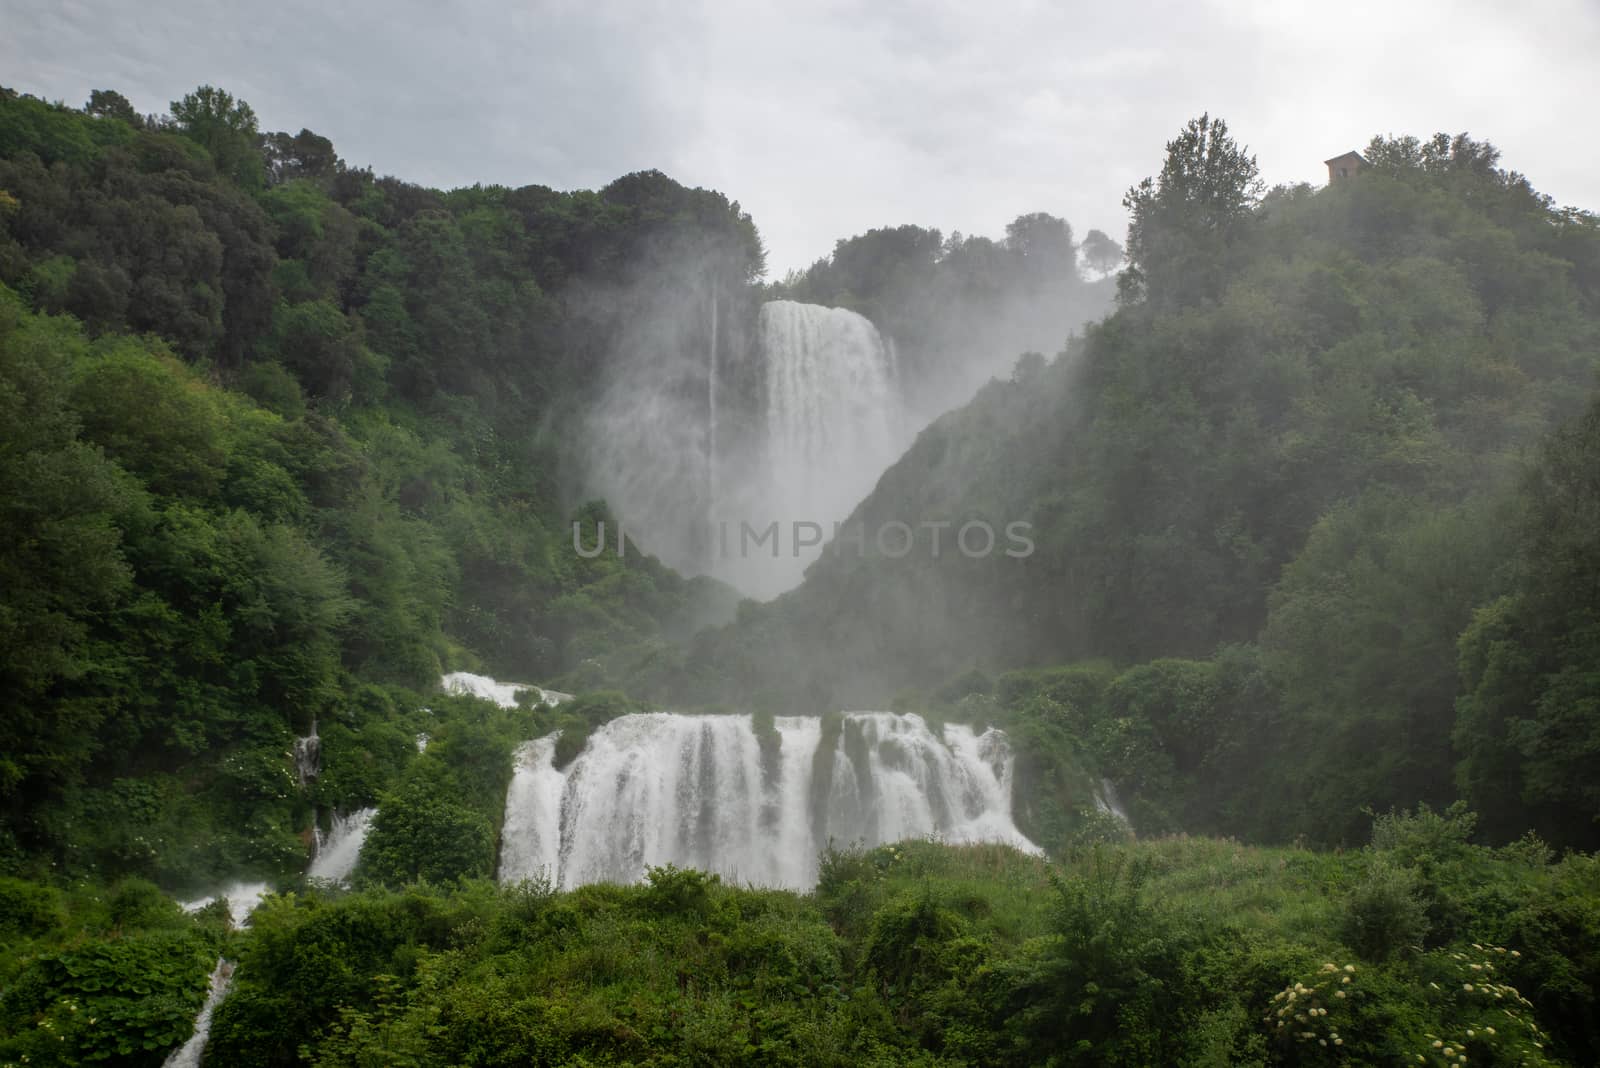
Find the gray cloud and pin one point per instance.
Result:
(826, 119)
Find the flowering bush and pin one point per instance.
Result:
(1483, 1020)
(1453, 1008)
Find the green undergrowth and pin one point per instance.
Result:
(1180, 951)
(100, 974)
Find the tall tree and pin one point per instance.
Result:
(1184, 217)
(110, 104)
(1101, 253)
(226, 128)
(1528, 727)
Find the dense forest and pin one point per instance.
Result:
(1314, 513)
(282, 441)
(1316, 509)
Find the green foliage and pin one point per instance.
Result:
(1183, 219)
(1385, 914)
(1282, 488)
(30, 125)
(303, 439)
(677, 891)
(1179, 951)
(1528, 714)
(97, 975)
(28, 910)
(1112, 984)
(225, 128)
(418, 836)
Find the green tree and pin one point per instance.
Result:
(1529, 718)
(61, 560)
(1101, 253)
(1182, 219)
(225, 128)
(108, 103)
(420, 835)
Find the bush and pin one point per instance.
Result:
(675, 891)
(126, 1001)
(1114, 984)
(1385, 914)
(28, 910)
(417, 836)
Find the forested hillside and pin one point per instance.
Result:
(282, 440)
(962, 308)
(1315, 456)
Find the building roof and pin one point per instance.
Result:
(1351, 155)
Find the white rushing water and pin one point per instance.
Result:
(832, 416)
(308, 756)
(833, 422)
(189, 1054)
(242, 898)
(1107, 803)
(339, 849)
(791, 423)
(698, 791)
(503, 694)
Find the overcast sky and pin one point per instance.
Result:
(825, 119)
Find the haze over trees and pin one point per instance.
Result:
(1301, 465)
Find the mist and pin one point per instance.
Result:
(738, 426)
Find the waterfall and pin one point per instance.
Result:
(242, 898)
(708, 791)
(503, 694)
(189, 1054)
(701, 431)
(711, 407)
(830, 403)
(1106, 802)
(833, 423)
(308, 757)
(338, 850)
(533, 804)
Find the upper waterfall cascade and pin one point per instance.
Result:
(710, 792)
(790, 424)
(833, 423)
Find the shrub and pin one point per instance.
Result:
(675, 891)
(28, 910)
(416, 835)
(1385, 913)
(125, 1001)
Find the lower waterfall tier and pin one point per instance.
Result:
(756, 806)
